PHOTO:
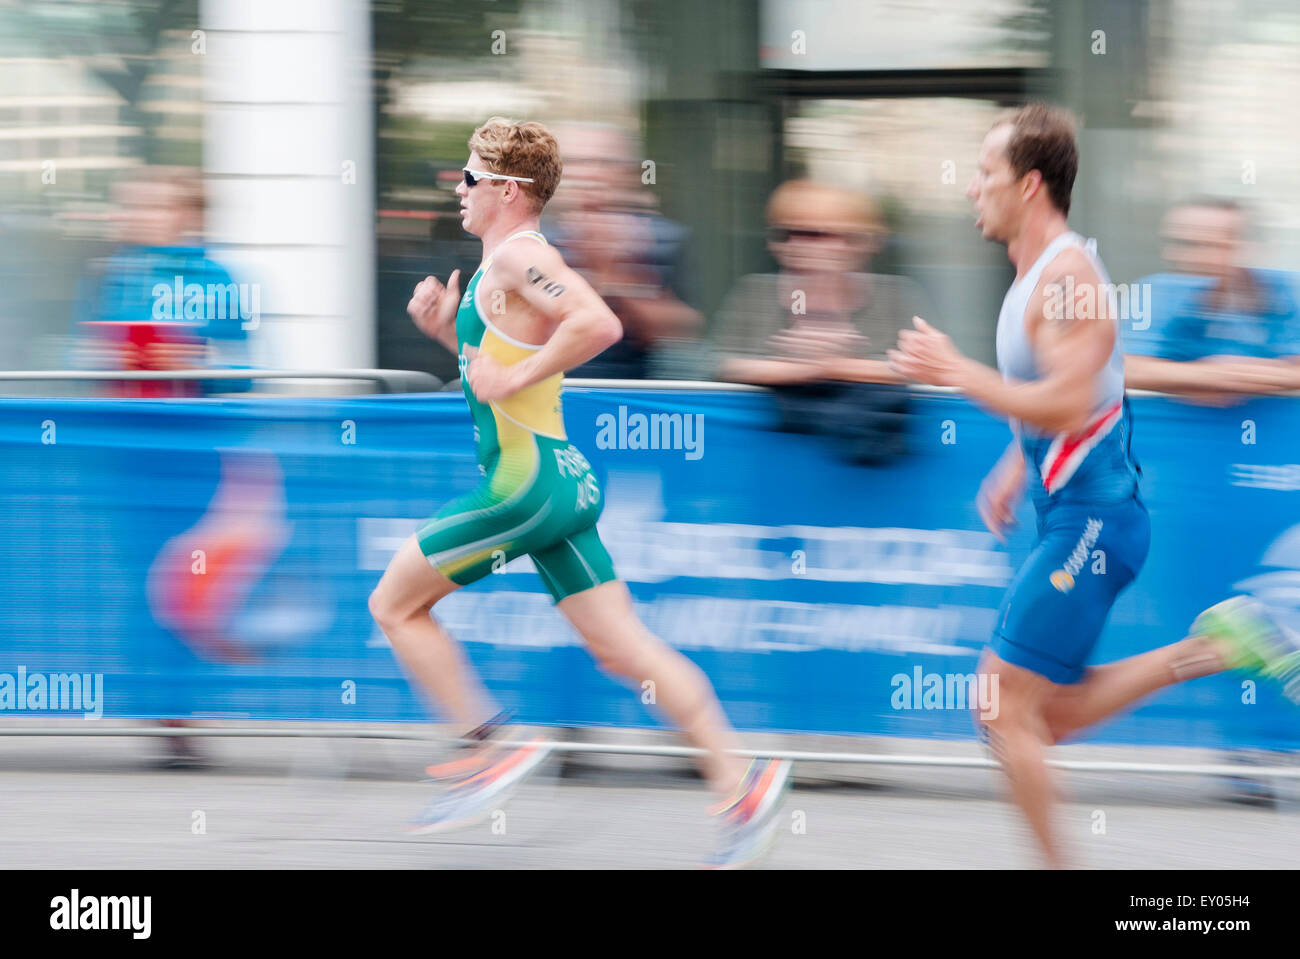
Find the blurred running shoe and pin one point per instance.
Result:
(477, 784)
(473, 752)
(1252, 641)
(749, 818)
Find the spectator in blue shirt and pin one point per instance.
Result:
(1219, 331)
(184, 309)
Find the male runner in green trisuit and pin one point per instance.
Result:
(524, 320)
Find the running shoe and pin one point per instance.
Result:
(477, 784)
(476, 750)
(749, 818)
(1252, 641)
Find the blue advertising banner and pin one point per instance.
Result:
(213, 558)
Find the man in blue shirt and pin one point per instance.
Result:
(1218, 331)
(160, 303)
(178, 308)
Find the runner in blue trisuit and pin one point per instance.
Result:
(1060, 380)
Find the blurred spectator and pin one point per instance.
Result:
(1219, 330)
(817, 330)
(608, 229)
(160, 302)
(823, 316)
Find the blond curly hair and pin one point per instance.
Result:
(520, 149)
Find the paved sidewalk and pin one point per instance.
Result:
(100, 803)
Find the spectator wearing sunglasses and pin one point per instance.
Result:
(822, 316)
(817, 330)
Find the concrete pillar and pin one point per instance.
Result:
(289, 157)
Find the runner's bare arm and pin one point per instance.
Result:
(1069, 353)
(1013, 457)
(586, 327)
(1002, 490)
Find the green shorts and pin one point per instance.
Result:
(545, 505)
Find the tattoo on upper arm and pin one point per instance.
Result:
(549, 287)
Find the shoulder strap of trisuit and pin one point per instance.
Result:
(531, 234)
(1050, 253)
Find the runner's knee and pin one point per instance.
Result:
(1055, 729)
(621, 658)
(380, 609)
(387, 612)
(1019, 713)
(624, 652)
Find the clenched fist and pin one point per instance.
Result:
(433, 308)
(927, 355)
(488, 379)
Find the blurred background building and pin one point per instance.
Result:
(331, 132)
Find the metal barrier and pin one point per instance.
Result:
(388, 381)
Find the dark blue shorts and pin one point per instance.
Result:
(1054, 612)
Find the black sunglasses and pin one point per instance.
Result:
(472, 177)
(784, 234)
